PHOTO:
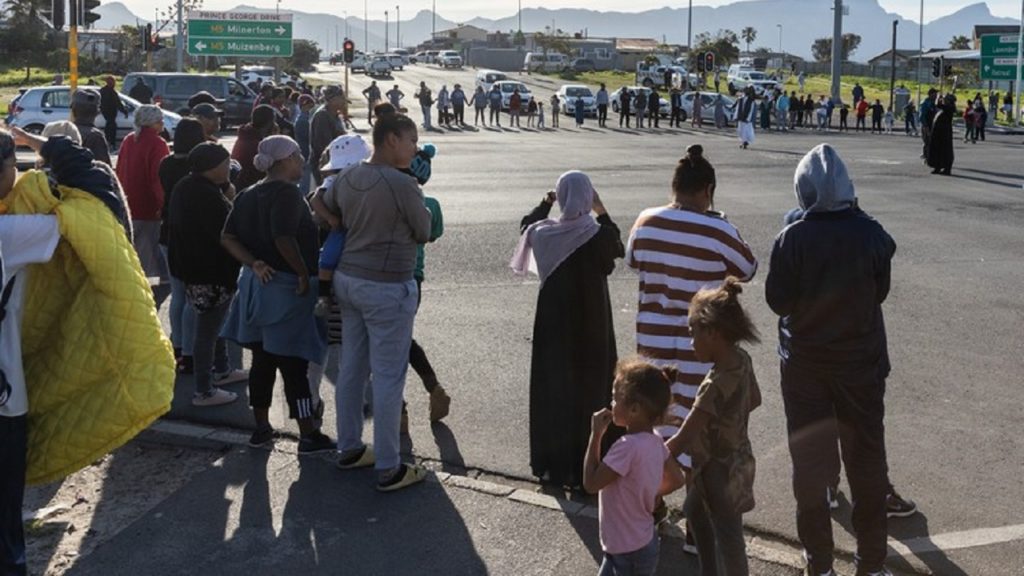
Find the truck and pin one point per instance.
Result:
(652, 74)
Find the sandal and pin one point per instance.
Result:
(409, 475)
(360, 459)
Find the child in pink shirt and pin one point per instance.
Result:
(636, 470)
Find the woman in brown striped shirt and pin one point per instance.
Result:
(677, 250)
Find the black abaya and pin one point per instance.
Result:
(940, 149)
(574, 354)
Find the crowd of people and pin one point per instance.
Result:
(305, 236)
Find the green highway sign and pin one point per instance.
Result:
(257, 34)
(999, 56)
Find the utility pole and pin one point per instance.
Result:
(920, 50)
(385, 31)
(73, 45)
(1020, 61)
(398, 27)
(892, 65)
(521, 17)
(837, 49)
(689, 30)
(179, 41)
(366, 29)
(433, 20)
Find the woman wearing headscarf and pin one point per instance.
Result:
(573, 359)
(676, 250)
(173, 169)
(246, 147)
(199, 205)
(270, 230)
(940, 149)
(138, 169)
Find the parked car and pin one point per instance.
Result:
(13, 105)
(508, 87)
(567, 94)
(396, 61)
(358, 63)
(582, 65)
(41, 105)
(449, 59)
(406, 57)
(485, 77)
(264, 74)
(741, 78)
(654, 75)
(707, 102)
(379, 66)
(540, 62)
(664, 106)
(419, 58)
(174, 90)
(431, 57)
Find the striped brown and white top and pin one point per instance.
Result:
(676, 253)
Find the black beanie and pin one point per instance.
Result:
(206, 156)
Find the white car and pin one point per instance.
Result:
(567, 94)
(379, 65)
(449, 59)
(664, 106)
(396, 61)
(265, 74)
(759, 81)
(41, 105)
(508, 87)
(707, 103)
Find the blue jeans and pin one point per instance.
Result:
(642, 562)
(330, 253)
(183, 318)
(376, 327)
(426, 116)
(717, 530)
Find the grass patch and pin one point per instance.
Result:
(612, 79)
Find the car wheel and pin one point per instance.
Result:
(683, 116)
(34, 129)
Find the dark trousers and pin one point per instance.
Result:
(818, 407)
(624, 115)
(294, 372)
(717, 529)
(979, 131)
(602, 114)
(496, 116)
(13, 449)
(876, 124)
(110, 130)
(459, 112)
(417, 356)
(654, 117)
(481, 116)
(861, 124)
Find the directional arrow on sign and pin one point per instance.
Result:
(200, 46)
(280, 30)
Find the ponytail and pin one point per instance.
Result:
(693, 173)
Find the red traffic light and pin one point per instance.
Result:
(349, 49)
(709, 61)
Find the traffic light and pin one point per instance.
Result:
(55, 14)
(700, 62)
(937, 67)
(147, 38)
(88, 12)
(709, 61)
(349, 48)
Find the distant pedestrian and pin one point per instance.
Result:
(980, 120)
(822, 113)
(721, 120)
(426, 101)
(926, 115)
(479, 103)
(579, 111)
(718, 79)
(781, 112)
(141, 91)
(443, 102)
(495, 99)
(395, 96)
(573, 353)
(969, 124)
(830, 108)
(327, 123)
(862, 114)
(858, 93)
(372, 94)
(515, 104)
(745, 110)
(653, 108)
(889, 120)
(676, 106)
(601, 99)
(844, 114)
(801, 79)
(556, 110)
(458, 100)
(636, 471)
(877, 114)
(84, 109)
(110, 106)
(940, 149)
(625, 100)
(910, 119)
(540, 115)
(640, 105)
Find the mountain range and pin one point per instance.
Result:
(802, 21)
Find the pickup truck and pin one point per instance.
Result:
(741, 79)
(654, 75)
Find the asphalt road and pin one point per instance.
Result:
(954, 315)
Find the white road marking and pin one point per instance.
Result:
(958, 540)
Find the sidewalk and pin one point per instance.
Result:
(260, 512)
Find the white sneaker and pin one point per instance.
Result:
(215, 397)
(832, 494)
(230, 377)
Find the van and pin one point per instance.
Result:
(540, 62)
(485, 78)
(174, 90)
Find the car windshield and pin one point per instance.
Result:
(511, 87)
(757, 76)
(496, 77)
(578, 91)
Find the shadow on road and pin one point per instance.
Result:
(985, 180)
(448, 449)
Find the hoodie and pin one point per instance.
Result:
(829, 274)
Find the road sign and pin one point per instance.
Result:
(998, 56)
(239, 34)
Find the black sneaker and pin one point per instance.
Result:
(261, 437)
(185, 365)
(315, 443)
(897, 506)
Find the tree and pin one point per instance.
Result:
(822, 47)
(25, 33)
(960, 42)
(724, 44)
(305, 53)
(749, 34)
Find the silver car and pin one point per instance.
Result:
(41, 105)
(664, 106)
(707, 103)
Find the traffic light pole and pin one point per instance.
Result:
(73, 17)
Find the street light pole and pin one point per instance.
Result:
(689, 29)
(398, 27)
(520, 15)
(366, 29)
(781, 59)
(837, 49)
(1020, 60)
(920, 50)
(433, 20)
(179, 42)
(892, 64)
(385, 31)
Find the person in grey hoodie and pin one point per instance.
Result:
(494, 98)
(479, 103)
(830, 273)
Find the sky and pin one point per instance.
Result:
(466, 9)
